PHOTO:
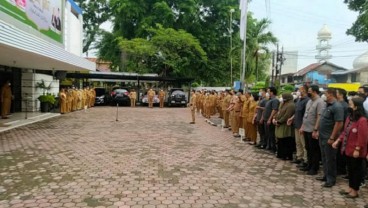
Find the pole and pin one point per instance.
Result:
(257, 66)
(117, 111)
(231, 46)
(273, 69)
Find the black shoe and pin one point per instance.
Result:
(302, 165)
(312, 172)
(306, 168)
(328, 185)
(321, 179)
(296, 161)
(345, 177)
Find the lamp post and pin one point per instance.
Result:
(231, 46)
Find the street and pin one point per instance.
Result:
(149, 158)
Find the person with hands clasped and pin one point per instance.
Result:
(353, 141)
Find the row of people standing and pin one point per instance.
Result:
(73, 99)
(331, 130)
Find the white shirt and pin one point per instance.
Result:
(365, 106)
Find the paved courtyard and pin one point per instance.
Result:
(150, 158)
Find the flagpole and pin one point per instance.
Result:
(243, 36)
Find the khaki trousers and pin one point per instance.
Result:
(226, 117)
(235, 122)
(5, 107)
(161, 102)
(193, 114)
(301, 151)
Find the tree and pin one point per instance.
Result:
(359, 29)
(95, 12)
(257, 39)
(168, 52)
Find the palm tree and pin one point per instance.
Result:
(258, 39)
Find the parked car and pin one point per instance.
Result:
(177, 97)
(120, 96)
(102, 96)
(156, 100)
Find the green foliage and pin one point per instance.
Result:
(47, 98)
(289, 88)
(195, 41)
(42, 85)
(95, 13)
(359, 29)
(169, 52)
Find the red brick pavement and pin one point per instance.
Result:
(150, 158)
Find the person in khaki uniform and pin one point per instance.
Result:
(161, 96)
(150, 95)
(198, 101)
(245, 114)
(69, 99)
(225, 105)
(133, 98)
(5, 99)
(203, 98)
(192, 104)
(84, 98)
(75, 99)
(63, 101)
(251, 124)
(234, 109)
(80, 99)
(207, 107)
(93, 96)
(212, 103)
(220, 97)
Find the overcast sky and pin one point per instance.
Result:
(296, 24)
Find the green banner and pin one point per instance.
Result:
(42, 15)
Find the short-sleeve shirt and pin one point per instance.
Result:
(345, 107)
(261, 104)
(313, 108)
(300, 107)
(332, 113)
(272, 104)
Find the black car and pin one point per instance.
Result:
(120, 96)
(102, 96)
(177, 97)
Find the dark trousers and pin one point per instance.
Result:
(341, 162)
(261, 131)
(270, 136)
(355, 171)
(328, 154)
(313, 151)
(285, 148)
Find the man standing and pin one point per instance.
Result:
(192, 104)
(330, 124)
(150, 94)
(309, 129)
(235, 109)
(260, 125)
(133, 97)
(270, 111)
(225, 105)
(5, 99)
(341, 159)
(161, 96)
(297, 119)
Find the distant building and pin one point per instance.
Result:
(359, 73)
(290, 67)
(318, 73)
(101, 65)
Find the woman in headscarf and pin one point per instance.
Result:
(284, 132)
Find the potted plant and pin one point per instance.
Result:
(47, 101)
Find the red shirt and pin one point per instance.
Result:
(358, 137)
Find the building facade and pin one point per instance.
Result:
(39, 40)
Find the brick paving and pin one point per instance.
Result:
(150, 158)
